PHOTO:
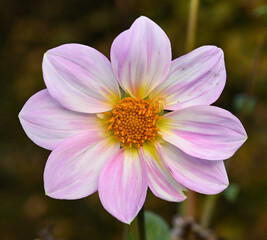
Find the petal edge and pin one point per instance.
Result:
(196, 78)
(141, 57)
(123, 185)
(205, 132)
(80, 78)
(202, 176)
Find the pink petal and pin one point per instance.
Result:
(196, 78)
(207, 177)
(160, 180)
(72, 169)
(141, 57)
(205, 132)
(123, 185)
(47, 123)
(80, 78)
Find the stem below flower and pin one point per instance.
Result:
(131, 231)
(141, 224)
(191, 205)
(190, 44)
(209, 206)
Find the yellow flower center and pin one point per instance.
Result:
(134, 121)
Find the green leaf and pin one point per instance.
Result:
(156, 227)
(261, 12)
(232, 192)
(244, 104)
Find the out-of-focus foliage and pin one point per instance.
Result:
(29, 28)
(231, 193)
(261, 12)
(156, 227)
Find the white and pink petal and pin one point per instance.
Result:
(141, 57)
(47, 122)
(205, 132)
(73, 168)
(203, 176)
(196, 78)
(123, 185)
(80, 78)
(160, 180)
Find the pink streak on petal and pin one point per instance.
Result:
(196, 78)
(160, 180)
(72, 169)
(123, 185)
(47, 123)
(207, 177)
(205, 132)
(141, 57)
(80, 78)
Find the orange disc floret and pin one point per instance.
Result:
(134, 121)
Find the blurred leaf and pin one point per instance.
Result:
(244, 104)
(261, 12)
(232, 192)
(156, 227)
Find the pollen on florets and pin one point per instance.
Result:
(134, 121)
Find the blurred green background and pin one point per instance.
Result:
(29, 28)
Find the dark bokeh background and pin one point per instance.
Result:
(29, 28)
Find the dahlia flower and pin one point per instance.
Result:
(140, 120)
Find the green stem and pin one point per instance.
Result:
(191, 204)
(126, 231)
(210, 203)
(141, 224)
(131, 231)
(192, 24)
(190, 209)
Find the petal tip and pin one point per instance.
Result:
(183, 197)
(48, 53)
(220, 53)
(213, 50)
(20, 114)
(144, 19)
(222, 188)
(48, 194)
(128, 221)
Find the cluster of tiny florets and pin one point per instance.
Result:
(134, 121)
